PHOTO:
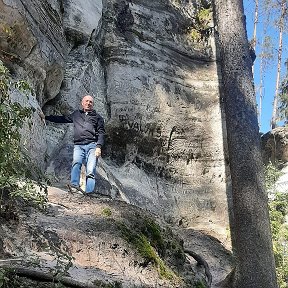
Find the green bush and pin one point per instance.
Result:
(14, 162)
(143, 244)
(272, 173)
(12, 118)
(278, 209)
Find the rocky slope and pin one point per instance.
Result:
(91, 242)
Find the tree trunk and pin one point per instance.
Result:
(250, 227)
(254, 41)
(266, 56)
(275, 102)
(261, 92)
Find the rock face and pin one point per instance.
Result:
(155, 84)
(275, 146)
(275, 151)
(102, 243)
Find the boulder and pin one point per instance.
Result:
(275, 146)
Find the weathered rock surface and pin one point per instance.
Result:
(155, 85)
(275, 146)
(96, 241)
(275, 151)
(162, 91)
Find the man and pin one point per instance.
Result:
(88, 140)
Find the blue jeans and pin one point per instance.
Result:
(84, 154)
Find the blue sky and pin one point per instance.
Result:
(270, 75)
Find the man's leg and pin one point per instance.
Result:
(78, 156)
(91, 162)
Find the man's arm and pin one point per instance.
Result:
(55, 119)
(59, 119)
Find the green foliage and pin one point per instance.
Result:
(278, 209)
(12, 119)
(28, 192)
(267, 52)
(272, 174)
(201, 24)
(147, 251)
(200, 285)
(100, 284)
(64, 262)
(4, 279)
(107, 212)
(153, 232)
(7, 31)
(9, 279)
(13, 160)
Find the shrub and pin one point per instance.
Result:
(14, 168)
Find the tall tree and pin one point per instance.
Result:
(266, 56)
(250, 227)
(279, 61)
(255, 23)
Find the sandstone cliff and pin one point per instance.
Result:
(154, 82)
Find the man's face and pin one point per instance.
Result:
(87, 103)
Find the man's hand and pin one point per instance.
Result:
(98, 152)
(41, 115)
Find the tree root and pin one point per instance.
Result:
(34, 274)
(202, 262)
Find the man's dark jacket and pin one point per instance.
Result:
(88, 126)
